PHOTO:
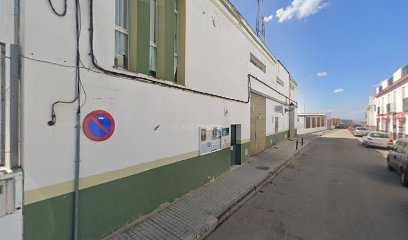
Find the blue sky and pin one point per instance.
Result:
(357, 43)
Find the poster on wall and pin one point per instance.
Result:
(210, 140)
(216, 138)
(226, 140)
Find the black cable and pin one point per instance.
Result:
(159, 83)
(64, 11)
(78, 62)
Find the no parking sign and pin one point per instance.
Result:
(99, 126)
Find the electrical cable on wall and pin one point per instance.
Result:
(64, 11)
(78, 82)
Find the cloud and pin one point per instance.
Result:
(340, 90)
(269, 18)
(300, 9)
(322, 74)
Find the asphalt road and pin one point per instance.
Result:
(334, 189)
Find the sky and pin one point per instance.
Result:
(337, 50)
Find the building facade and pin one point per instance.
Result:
(387, 109)
(122, 106)
(314, 122)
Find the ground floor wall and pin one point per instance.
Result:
(396, 128)
(106, 207)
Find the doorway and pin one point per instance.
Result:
(234, 148)
(258, 124)
(291, 123)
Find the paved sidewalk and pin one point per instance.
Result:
(199, 212)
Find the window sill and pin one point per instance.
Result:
(153, 78)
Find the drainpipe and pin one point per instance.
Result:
(78, 128)
(14, 88)
(17, 22)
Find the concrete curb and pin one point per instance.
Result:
(247, 196)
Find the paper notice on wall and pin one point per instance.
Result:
(226, 140)
(210, 140)
(216, 139)
(205, 141)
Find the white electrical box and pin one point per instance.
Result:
(11, 205)
(7, 197)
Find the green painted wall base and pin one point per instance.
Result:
(107, 207)
(243, 150)
(275, 138)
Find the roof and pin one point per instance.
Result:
(311, 114)
(393, 86)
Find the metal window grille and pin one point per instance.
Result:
(121, 33)
(154, 33)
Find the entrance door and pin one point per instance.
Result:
(291, 123)
(234, 149)
(258, 123)
(394, 128)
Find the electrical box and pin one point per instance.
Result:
(7, 197)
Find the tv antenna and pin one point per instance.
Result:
(260, 21)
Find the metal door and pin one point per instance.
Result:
(292, 123)
(258, 124)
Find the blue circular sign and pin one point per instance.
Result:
(99, 126)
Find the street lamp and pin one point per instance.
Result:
(291, 107)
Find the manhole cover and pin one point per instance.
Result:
(263, 167)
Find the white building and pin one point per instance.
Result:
(191, 89)
(387, 110)
(313, 122)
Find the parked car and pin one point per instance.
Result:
(397, 160)
(378, 139)
(360, 131)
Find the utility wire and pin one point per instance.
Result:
(64, 11)
(159, 83)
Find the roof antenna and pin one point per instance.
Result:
(260, 21)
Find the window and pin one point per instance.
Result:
(280, 82)
(176, 38)
(292, 86)
(154, 26)
(254, 60)
(121, 33)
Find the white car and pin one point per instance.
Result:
(378, 139)
(360, 131)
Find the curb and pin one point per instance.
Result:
(246, 197)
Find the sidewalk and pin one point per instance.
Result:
(196, 214)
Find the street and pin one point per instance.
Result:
(334, 189)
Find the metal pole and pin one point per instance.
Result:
(14, 105)
(3, 103)
(297, 144)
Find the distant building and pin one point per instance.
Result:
(313, 122)
(346, 122)
(388, 108)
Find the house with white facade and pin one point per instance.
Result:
(387, 110)
(111, 108)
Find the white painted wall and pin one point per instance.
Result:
(217, 61)
(302, 128)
